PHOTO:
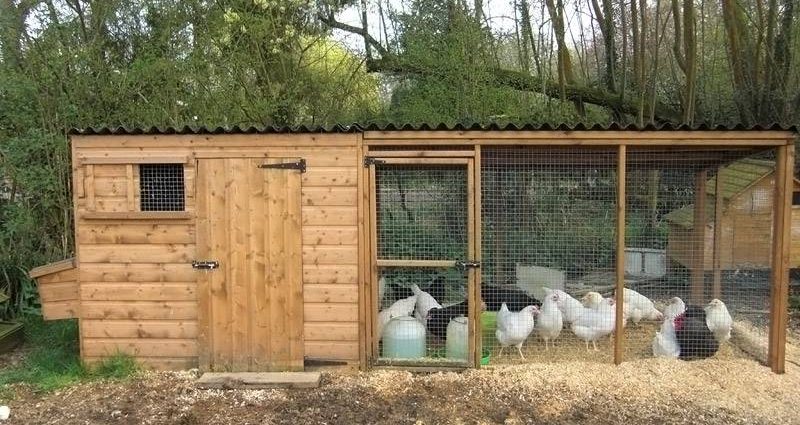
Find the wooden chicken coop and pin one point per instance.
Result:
(277, 248)
(747, 202)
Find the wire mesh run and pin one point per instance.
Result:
(161, 187)
(697, 253)
(422, 215)
(548, 223)
(698, 256)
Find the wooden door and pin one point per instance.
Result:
(251, 305)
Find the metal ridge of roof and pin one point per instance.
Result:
(358, 128)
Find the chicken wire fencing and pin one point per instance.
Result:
(548, 238)
(421, 220)
(699, 254)
(548, 247)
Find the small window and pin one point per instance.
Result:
(161, 187)
(795, 198)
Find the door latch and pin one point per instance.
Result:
(205, 265)
(463, 265)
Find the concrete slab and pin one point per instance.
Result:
(258, 380)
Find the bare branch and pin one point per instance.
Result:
(333, 23)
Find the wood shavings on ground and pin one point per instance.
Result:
(714, 391)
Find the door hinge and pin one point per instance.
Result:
(297, 165)
(369, 160)
(463, 265)
(205, 265)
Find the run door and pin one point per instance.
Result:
(249, 262)
(423, 238)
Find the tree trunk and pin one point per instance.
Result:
(12, 30)
(527, 34)
(605, 18)
(565, 74)
(690, 50)
(741, 57)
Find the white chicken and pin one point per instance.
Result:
(514, 328)
(570, 308)
(675, 308)
(381, 289)
(597, 320)
(400, 308)
(591, 300)
(718, 320)
(637, 307)
(549, 321)
(425, 302)
(665, 344)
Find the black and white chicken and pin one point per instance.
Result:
(694, 338)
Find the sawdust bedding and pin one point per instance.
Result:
(713, 391)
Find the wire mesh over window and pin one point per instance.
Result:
(161, 187)
(548, 224)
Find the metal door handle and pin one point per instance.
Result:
(205, 265)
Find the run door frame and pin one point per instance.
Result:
(469, 159)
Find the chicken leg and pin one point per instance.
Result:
(519, 349)
(501, 351)
(594, 344)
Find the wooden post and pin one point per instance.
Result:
(781, 247)
(474, 357)
(364, 279)
(619, 333)
(373, 257)
(699, 238)
(718, 206)
(477, 255)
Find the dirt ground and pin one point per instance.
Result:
(714, 391)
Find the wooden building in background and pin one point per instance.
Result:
(748, 201)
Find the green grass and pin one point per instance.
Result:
(53, 359)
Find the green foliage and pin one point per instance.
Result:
(54, 362)
(146, 63)
(794, 303)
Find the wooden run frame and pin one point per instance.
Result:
(374, 142)
(619, 334)
(781, 247)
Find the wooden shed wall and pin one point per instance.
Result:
(138, 290)
(746, 232)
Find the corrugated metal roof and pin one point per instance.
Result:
(736, 177)
(361, 127)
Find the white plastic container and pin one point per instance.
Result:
(457, 344)
(404, 338)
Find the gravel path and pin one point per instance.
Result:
(715, 391)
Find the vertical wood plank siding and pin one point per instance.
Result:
(139, 293)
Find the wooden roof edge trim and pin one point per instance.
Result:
(58, 266)
(786, 135)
